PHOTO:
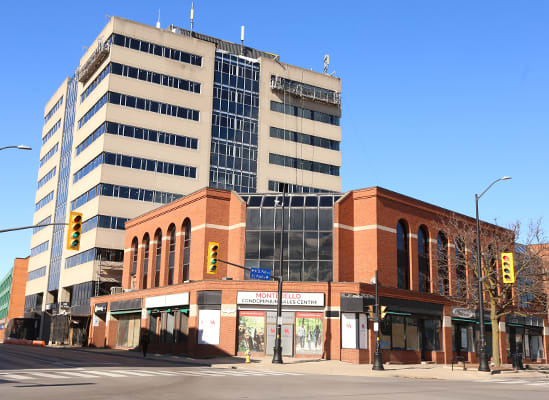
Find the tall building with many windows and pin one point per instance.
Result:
(151, 115)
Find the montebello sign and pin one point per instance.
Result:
(288, 299)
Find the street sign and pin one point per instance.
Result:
(260, 273)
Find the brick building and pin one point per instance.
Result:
(333, 244)
(12, 294)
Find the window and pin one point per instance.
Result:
(53, 110)
(423, 260)
(304, 138)
(304, 113)
(306, 165)
(145, 260)
(292, 188)
(460, 269)
(443, 276)
(37, 273)
(171, 254)
(45, 221)
(47, 177)
(186, 249)
(151, 48)
(403, 259)
(133, 270)
(49, 154)
(43, 201)
(42, 247)
(158, 258)
(50, 133)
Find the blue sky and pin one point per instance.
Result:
(439, 97)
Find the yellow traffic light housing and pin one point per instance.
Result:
(213, 251)
(371, 312)
(74, 231)
(382, 312)
(508, 268)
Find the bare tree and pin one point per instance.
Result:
(459, 270)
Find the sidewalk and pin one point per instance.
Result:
(334, 367)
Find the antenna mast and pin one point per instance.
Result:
(192, 16)
(158, 22)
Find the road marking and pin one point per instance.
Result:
(105, 373)
(16, 376)
(46, 375)
(133, 372)
(513, 382)
(157, 372)
(80, 374)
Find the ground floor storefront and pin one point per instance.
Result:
(319, 320)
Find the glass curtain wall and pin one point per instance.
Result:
(308, 236)
(233, 154)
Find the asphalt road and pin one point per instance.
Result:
(47, 373)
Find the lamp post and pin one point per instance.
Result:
(483, 356)
(277, 352)
(20, 147)
(378, 357)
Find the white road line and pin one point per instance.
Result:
(134, 373)
(46, 375)
(156, 372)
(538, 384)
(513, 382)
(16, 376)
(105, 373)
(80, 374)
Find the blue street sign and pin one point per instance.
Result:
(260, 273)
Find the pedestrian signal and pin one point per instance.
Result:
(507, 267)
(213, 250)
(74, 231)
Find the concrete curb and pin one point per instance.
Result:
(26, 342)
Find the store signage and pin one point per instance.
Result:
(288, 299)
(348, 330)
(177, 299)
(101, 308)
(208, 326)
(461, 312)
(263, 274)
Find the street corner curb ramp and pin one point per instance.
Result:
(26, 342)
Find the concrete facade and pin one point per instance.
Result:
(82, 118)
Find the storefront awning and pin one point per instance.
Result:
(125, 312)
(471, 321)
(166, 309)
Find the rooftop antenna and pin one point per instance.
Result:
(158, 22)
(326, 63)
(192, 16)
(242, 40)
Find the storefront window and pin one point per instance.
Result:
(431, 334)
(308, 333)
(412, 336)
(128, 330)
(251, 331)
(398, 338)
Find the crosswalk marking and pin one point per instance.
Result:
(46, 375)
(15, 376)
(105, 373)
(122, 373)
(79, 374)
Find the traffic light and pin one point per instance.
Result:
(508, 267)
(382, 312)
(213, 250)
(371, 312)
(74, 231)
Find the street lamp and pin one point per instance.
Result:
(377, 365)
(277, 351)
(483, 356)
(20, 147)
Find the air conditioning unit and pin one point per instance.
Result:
(116, 290)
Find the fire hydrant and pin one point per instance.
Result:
(247, 356)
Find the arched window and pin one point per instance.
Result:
(186, 248)
(443, 281)
(133, 270)
(146, 242)
(423, 260)
(460, 269)
(403, 259)
(157, 258)
(171, 254)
